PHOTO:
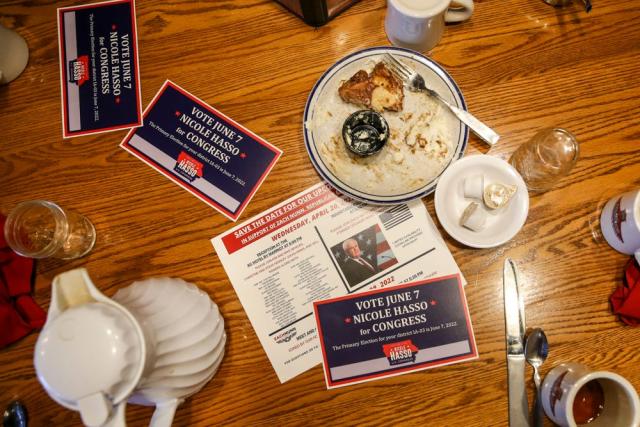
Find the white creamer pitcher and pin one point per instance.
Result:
(155, 343)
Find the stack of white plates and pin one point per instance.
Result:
(185, 337)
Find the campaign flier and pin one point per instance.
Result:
(205, 152)
(394, 331)
(99, 75)
(319, 245)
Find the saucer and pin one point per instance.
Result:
(502, 224)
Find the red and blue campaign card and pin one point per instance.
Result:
(99, 75)
(395, 330)
(205, 152)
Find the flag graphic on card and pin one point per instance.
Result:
(363, 255)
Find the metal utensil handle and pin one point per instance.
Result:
(518, 406)
(483, 131)
(538, 415)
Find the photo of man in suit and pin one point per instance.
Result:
(355, 268)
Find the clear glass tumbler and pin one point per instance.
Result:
(546, 158)
(42, 229)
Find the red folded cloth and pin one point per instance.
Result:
(19, 313)
(625, 300)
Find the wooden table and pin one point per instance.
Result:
(522, 65)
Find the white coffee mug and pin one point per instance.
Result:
(620, 223)
(14, 55)
(419, 24)
(620, 404)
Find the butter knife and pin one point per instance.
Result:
(515, 327)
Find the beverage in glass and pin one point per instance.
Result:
(546, 158)
(42, 229)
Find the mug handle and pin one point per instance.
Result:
(459, 15)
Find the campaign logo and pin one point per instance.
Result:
(79, 70)
(400, 352)
(618, 216)
(188, 167)
(285, 336)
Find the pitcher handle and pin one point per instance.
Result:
(163, 415)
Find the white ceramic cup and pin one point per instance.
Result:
(620, 223)
(621, 406)
(14, 55)
(419, 24)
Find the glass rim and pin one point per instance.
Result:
(574, 140)
(59, 215)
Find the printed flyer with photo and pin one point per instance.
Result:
(205, 152)
(393, 331)
(99, 74)
(319, 245)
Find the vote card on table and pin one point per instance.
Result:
(203, 151)
(394, 331)
(99, 74)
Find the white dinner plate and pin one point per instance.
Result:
(435, 77)
(195, 317)
(194, 351)
(187, 368)
(175, 380)
(503, 224)
(156, 395)
(191, 336)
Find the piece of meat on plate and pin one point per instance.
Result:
(388, 94)
(380, 90)
(358, 89)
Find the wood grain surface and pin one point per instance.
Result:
(522, 66)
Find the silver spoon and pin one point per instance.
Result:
(536, 349)
(15, 415)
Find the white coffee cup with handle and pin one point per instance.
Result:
(620, 223)
(14, 55)
(419, 24)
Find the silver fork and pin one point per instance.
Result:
(415, 83)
